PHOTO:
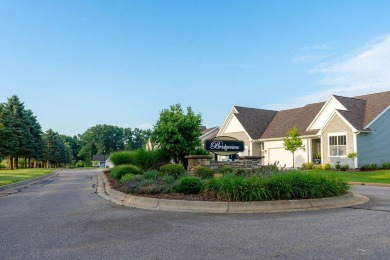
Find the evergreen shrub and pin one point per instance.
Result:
(174, 170)
(118, 171)
(204, 172)
(189, 185)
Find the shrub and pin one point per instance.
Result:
(326, 167)
(141, 185)
(369, 167)
(386, 165)
(168, 179)
(346, 166)
(118, 171)
(174, 170)
(189, 185)
(79, 164)
(130, 177)
(204, 172)
(151, 174)
(141, 158)
(308, 166)
(337, 166)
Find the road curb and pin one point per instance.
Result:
(27, 182)
(107, 192)
(370, 184)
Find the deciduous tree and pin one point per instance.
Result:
(177, 133)
(292, 142)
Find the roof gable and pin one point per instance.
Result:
(326, 111)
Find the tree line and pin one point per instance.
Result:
(24, 144)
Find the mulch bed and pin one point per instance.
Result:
(172, 196)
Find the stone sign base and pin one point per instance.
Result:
(243, 162)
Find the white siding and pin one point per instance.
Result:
(332, 105)
(234, 126)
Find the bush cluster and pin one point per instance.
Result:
(369, 167)
(204, 172)
(308, 166)
(174, 170)
(118, 171)
(189, 185)
(326, 167)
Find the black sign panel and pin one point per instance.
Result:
(224, 147)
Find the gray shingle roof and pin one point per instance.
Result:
(285, 120)
(100, 157)
(254, 120)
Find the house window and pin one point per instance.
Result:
(338, 145)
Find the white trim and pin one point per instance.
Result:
(376, 118)
(356, 150)
(281, 138)
(210, 132)
(227, 121)
(346, 143)
(322, 110)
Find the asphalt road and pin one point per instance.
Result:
(64, 218)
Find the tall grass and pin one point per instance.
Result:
(294, 185)
(141, 158)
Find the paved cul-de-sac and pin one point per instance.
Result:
(62, 217)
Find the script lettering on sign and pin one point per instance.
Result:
(219, 145)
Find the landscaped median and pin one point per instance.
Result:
(106, 191)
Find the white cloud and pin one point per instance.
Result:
(145, 126)
(365, 72)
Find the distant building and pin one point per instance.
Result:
(99, 160)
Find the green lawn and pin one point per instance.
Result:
(380, 176)
(9, 177)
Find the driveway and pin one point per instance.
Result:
(64, 218)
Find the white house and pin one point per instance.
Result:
(331, 130)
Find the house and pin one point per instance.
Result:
(208, 133)
(329, 130)
(99, 160)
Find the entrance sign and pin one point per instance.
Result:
(224, 145)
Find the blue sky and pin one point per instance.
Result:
(81, 63)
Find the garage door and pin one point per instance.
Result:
(280, 155)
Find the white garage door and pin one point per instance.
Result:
(280, 155)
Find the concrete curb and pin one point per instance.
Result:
(105, 191)
(27, 182)
(370, 184)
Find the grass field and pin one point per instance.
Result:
(380, 176)
(9, 177)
